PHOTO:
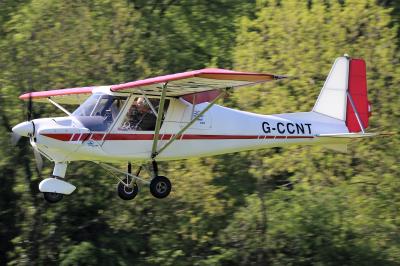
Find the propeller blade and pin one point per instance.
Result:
(15, 138)
(29, 111)
(38, 159)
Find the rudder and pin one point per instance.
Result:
(359, 97)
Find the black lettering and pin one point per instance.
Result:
(309, 128)
(265, 127)
(288, 129)
(300, 128)
(279, 128)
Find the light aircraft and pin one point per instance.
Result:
(176, 117)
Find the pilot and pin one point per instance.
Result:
(142, 105)
(141, 116)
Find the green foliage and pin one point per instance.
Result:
(286, 206)
(318, 227)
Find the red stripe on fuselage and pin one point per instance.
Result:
(75, 137)
(129, 137)
(219, 137)
(100, 136)
(97, 136)
(84, 136)
(62, 137)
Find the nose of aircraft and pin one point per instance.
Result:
(24, 129)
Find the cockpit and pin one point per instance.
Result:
(99, 111)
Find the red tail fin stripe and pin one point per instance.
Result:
(357, 88)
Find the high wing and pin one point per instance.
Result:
(195, 81)
(63, 96)
(178, 85)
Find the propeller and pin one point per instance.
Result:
(15, 138)
(38, 158)
(29, 108)
(28, 129)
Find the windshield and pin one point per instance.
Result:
(99, 111)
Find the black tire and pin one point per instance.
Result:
(160, 187)
(52, 197)
(127, 193)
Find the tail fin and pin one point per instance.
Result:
(344, 94)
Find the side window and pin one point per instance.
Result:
(142, 116)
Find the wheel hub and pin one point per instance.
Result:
(128, 190)
(128, 186)
(161, 187)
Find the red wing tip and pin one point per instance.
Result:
(24, 96)
(58, 92)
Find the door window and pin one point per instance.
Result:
(142, 114)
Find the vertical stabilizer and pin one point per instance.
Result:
(333, 99)
(344, 94)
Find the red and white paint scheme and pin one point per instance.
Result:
(175, 117)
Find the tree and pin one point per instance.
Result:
(278, 206)
(50, 44)
(301, 40)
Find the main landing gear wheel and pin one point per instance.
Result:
(125, 192)
(160, 187)
(52, 197)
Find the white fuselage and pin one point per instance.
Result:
(220, 130)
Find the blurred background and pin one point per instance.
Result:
(291, 206)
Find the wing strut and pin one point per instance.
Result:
(179, 134)
(59, 106)
(149, 104)
(158, 122)
(64, 110)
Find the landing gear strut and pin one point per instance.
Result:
(127, 188)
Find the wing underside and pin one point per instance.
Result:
(178, 88)
(178, 85)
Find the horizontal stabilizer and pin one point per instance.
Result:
(336, 147)
(348, 135)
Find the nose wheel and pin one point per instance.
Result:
(55, 187)
(52, 197)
